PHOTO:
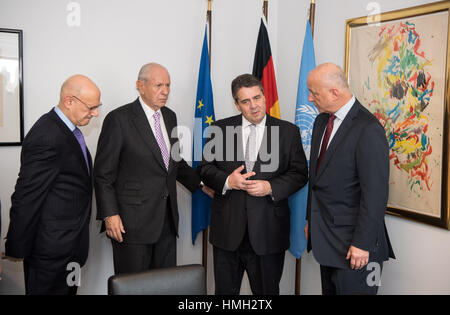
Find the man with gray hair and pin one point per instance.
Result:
(348, 188)
(135, 176)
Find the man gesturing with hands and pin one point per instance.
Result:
(256, 164)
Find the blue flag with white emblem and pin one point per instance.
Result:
(305, 114)
(204, 116)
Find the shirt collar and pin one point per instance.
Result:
(343, 111)
(246, 123)
(148, 111)
(64, 118)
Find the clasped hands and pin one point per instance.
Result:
(256, 188)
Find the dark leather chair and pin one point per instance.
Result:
(180, 280)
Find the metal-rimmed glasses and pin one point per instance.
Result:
(89, 107)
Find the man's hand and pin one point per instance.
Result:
(358, 257)
(208, 191)
(114, 228)
(237, 181)
(258, 188)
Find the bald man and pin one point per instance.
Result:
(348, 190)
(51, 205)
(135, 173)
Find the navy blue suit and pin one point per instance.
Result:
(349, 193)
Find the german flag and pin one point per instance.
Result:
(263, 69)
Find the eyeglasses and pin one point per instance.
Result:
(89, 107)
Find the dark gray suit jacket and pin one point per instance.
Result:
(130, 176)
(348, 195)
(267, 219)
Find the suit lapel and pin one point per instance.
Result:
(89, 160)
(232, 135)
(318, 131)
(238, 158)
(72, 141)
(145, 131)
(340, 135)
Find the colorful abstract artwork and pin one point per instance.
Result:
(406, 88)
(397, 70)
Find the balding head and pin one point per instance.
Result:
(328, 87)
(79, 99)
(331, 75)
(77, 85)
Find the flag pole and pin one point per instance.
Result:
(298, 265)
(205, 231)
(209, 19)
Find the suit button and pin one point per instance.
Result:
(165, 197)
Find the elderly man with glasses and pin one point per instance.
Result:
(51, 205)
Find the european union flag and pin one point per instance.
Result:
(305, 114)
(204, 116)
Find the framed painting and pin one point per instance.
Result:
(11, 87)
(398, 67)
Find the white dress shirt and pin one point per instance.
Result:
(340, 116)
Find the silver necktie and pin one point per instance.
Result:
(250, 149)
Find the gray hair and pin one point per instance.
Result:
(145, 69)
(338, 78)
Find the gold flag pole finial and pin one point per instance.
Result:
(266, 9)
(312, 13)
(209, 5)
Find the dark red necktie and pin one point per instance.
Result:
(326, 139)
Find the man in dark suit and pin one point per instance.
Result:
(136, 169)
(348, 190)
(250, 212)
(51, 205)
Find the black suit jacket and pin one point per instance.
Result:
(266, 218)
(51, 205)
(348, 195)
(130, 176)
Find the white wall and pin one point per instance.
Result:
(116, 37)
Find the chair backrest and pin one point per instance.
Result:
(180, 280)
